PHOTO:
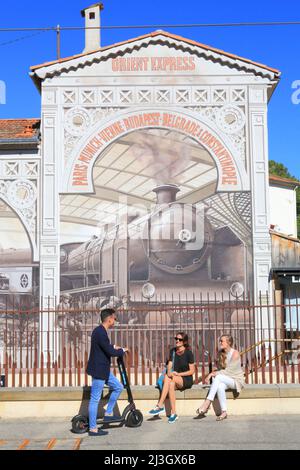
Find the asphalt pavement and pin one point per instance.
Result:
(281, 432)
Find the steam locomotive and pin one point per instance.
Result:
(166, 254)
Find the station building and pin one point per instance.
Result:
(145, 177)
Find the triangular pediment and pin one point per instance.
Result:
(142, 45)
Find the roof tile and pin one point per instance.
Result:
(19, 128)
(154, 34)
(283, 181)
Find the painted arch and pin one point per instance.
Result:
(78, 175)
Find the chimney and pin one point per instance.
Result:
(92, 20)
(166, 193)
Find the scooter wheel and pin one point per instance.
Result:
(134, 419)
(79, 424)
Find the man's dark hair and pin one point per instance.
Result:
(107, 312)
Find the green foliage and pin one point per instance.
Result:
(278, 169)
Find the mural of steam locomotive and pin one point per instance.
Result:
(167, 254)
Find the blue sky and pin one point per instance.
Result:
(275, 46)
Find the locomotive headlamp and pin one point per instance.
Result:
(184, 235)
(148, 290)
(237, 289)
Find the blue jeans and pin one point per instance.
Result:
(97, 386)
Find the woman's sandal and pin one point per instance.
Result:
(221, 417)
(202, 412)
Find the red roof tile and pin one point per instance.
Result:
(19, 128)
(283, 181)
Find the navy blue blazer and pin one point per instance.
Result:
(101, 351)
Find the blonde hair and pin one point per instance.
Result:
(222, 354)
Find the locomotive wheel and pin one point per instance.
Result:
(134, 419)
(79, 424)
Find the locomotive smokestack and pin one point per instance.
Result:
(166, 193)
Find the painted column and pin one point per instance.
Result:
(49, 221)
(260, 203)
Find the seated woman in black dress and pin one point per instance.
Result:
(179, 376)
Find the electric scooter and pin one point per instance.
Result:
(131, 417)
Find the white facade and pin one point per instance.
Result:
(155, 81)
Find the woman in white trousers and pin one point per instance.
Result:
(230, 376)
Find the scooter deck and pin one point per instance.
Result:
(117, 421)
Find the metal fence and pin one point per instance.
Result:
(51, 347)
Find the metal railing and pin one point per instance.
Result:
(51, 347)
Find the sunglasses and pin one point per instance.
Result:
(178, 339)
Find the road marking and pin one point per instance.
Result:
(24, 444)
(73, 444)
(77, 444)
(51, 444)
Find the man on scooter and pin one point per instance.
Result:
(99, 368)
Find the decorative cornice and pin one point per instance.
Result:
(51, 69)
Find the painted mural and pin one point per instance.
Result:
(159, 230)
(19, 276)
(155, 229)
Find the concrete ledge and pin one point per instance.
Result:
(289, 390)
(69, 401)
(144, 393)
